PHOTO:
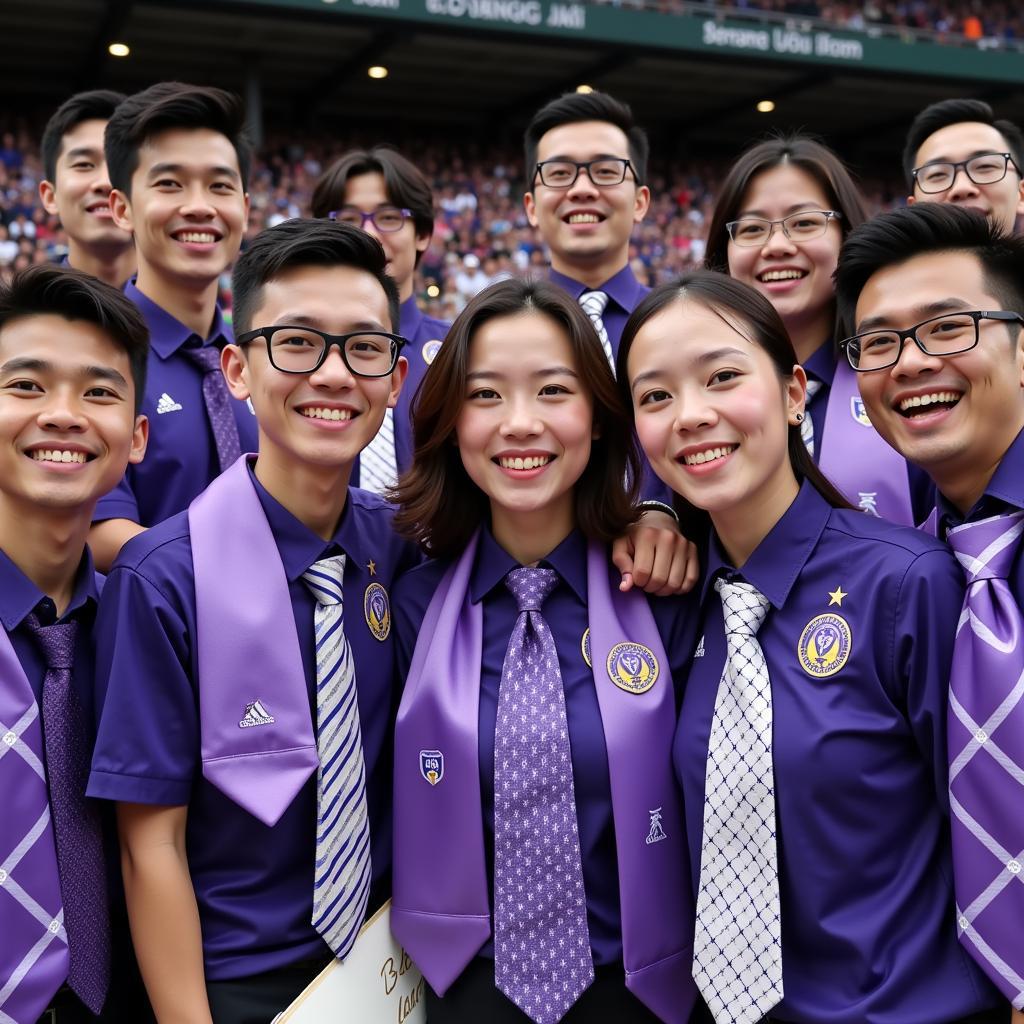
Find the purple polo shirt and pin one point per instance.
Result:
(862, 817)
(181, 459)
(253, 883)
(565, 611)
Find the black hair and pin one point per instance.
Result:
(305, 243)
(95, 105)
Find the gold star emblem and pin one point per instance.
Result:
(372, 566)
(837, 596)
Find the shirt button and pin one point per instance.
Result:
(10, 738)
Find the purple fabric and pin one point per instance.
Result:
(242, 613)
(33, 942)
(854, 457)
(440, 909)
(986, 752)
(217, 400)
(542, 958)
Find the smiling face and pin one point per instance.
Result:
(586, 228)
(527, 423)
(1000, 201)
(187, 209)
(67, 415)
(955, 416)
(796, 277)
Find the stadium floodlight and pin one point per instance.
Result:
(118, 49)
(377, 71)
(766, 106)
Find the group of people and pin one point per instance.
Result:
(593, 628)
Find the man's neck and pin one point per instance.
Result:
(592, 275)
(111, 264)
(315, 495)
(193, 305)
(963, 486)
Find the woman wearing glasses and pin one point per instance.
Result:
(781, 217)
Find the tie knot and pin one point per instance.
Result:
(324, 579)
(744, 607)
(206, 357)
(57, 641)
(531, 587)
(594, 303)
(986, 548)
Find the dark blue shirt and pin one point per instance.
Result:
(253, 883)
(565, 611)
(624, 294)
(181, 458)
(859, 753)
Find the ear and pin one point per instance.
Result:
(911, 200)
(121, 210)
(140, 438)
(796, 395)
(1020, 198)
(531, 209)
(398, 375)
(642, 204)
(422, 241)
(48, 196)
(248, 207)
(236, 370)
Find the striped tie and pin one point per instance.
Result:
(807, 424)
(378, 463)
(341, 884)
(594, 305)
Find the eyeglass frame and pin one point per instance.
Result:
(830, 215)
(330, 340)
(961, 165)
(585, 165)
(372, 217)
(910, 334)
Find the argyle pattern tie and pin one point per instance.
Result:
(986, 752)
(378, 462)
(218, 404)
(76, 823)
(737, 953)
(807, 424)
(341, 883)
(542, 958)
(594, 305)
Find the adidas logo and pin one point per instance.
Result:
(167, 404)
(255, 714)
(699, 653)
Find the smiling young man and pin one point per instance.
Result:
(72, 365)
(179, 161)
(219, 755)
(958, 152)
(77, 188)
(937, 297)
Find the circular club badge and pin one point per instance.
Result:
(632, 667)
(585, 647)
(430, 350)
(377, 611)
(824, 646)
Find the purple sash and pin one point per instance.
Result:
(440, 909)
(257, 739)
(854, 457)
(33, 943)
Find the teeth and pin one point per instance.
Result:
(937, 397)
(318, 413)
(204, 237)
(584, 218)
(699, 458)
(57, 455)
(781, 275)
(530, 462)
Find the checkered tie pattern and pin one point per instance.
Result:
(542, 958)
(217, 400)
(341, 883)
(378, 463)
(986, 752)
(737, 953)
(594, 305)
(807, 424)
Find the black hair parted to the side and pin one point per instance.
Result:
(957, 111)
(164, 107)
(95, 105)
(48, 290)
(895, 237)
(573, 107)
(306, 243)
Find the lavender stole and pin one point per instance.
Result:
(248, 653)
(440, 909)
(854, 457)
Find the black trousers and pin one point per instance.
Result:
(258, 998)
(473, 999)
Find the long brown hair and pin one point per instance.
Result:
(439, 505)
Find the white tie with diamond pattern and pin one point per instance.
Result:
(594, 305)
(341, 882)
(378, 462)
(807, 424)
(737, 953)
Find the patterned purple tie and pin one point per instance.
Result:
(218, 404)
(76, 824)
(986, 753)
(542, 958)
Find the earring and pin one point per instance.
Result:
(799, 417)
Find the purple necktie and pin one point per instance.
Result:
(542, 958)
(76, 824)
(218, 404)
(986, 753)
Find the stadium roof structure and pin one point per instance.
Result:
(478, 68)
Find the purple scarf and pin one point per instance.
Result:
(854, 457)
(257, 738)
(440, 911)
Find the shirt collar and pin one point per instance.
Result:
(623, 289)
(410, 318)
(1005, 488)
(822, 364)
(19, 595)
(493, 563)
(168, 334)
(779, 559)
